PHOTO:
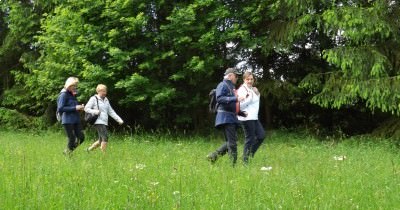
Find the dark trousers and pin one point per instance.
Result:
(230, 145)
(74, 134)
(254, 137)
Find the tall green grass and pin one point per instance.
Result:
(165, 172)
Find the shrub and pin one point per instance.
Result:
(12, 119)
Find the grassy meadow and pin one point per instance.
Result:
(151, 171)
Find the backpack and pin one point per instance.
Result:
(213, 104)
(58, 114)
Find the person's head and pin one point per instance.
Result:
(101, 90)
(248, 78)
(231, 74)
(71, 83)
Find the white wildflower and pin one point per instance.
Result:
(339, 157)
(140, 166)
(266, 168)
(154, 183)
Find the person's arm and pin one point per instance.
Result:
(222, 94)
(90, 104)
(61, 106)
(242, 91)
(114, 115)
(256, 91)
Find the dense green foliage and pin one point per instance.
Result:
(366, 54)
(166, 172)
(12, 119)
(160, 58)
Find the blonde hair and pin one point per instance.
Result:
(71, 81)
(101, 87)
(247, 74)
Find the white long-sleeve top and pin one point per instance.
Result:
(105, 110)
(251, 104)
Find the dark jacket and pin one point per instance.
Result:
(66, 106)
(226, 100)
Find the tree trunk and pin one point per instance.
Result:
(49, 115)
(267, 116)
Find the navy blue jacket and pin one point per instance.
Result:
(66, 106)
(226, 100)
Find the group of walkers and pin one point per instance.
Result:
(69, 108)
(235, 108)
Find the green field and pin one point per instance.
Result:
(166, 172)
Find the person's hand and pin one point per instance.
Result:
(96, 112)
(121, 122)
(241, 98)
(242, 113)
(80, 107)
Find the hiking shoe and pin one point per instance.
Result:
(67, 152)
(212, 157)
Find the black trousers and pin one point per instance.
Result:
(74, 134)
(254, 134)
(230, 145)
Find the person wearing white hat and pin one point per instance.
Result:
(68, 107)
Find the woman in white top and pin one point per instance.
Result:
(99, 105)
(254, 131)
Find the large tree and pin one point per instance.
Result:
(366, 56)
(20, 22)
(156, 56)
(160, 58)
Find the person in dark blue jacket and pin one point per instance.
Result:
(226, 118)
(68, 107)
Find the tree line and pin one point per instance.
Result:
(322, 64)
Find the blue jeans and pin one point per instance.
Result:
(230, 144)
(254, 137)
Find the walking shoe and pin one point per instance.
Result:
(212, 157)
(67, 152)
